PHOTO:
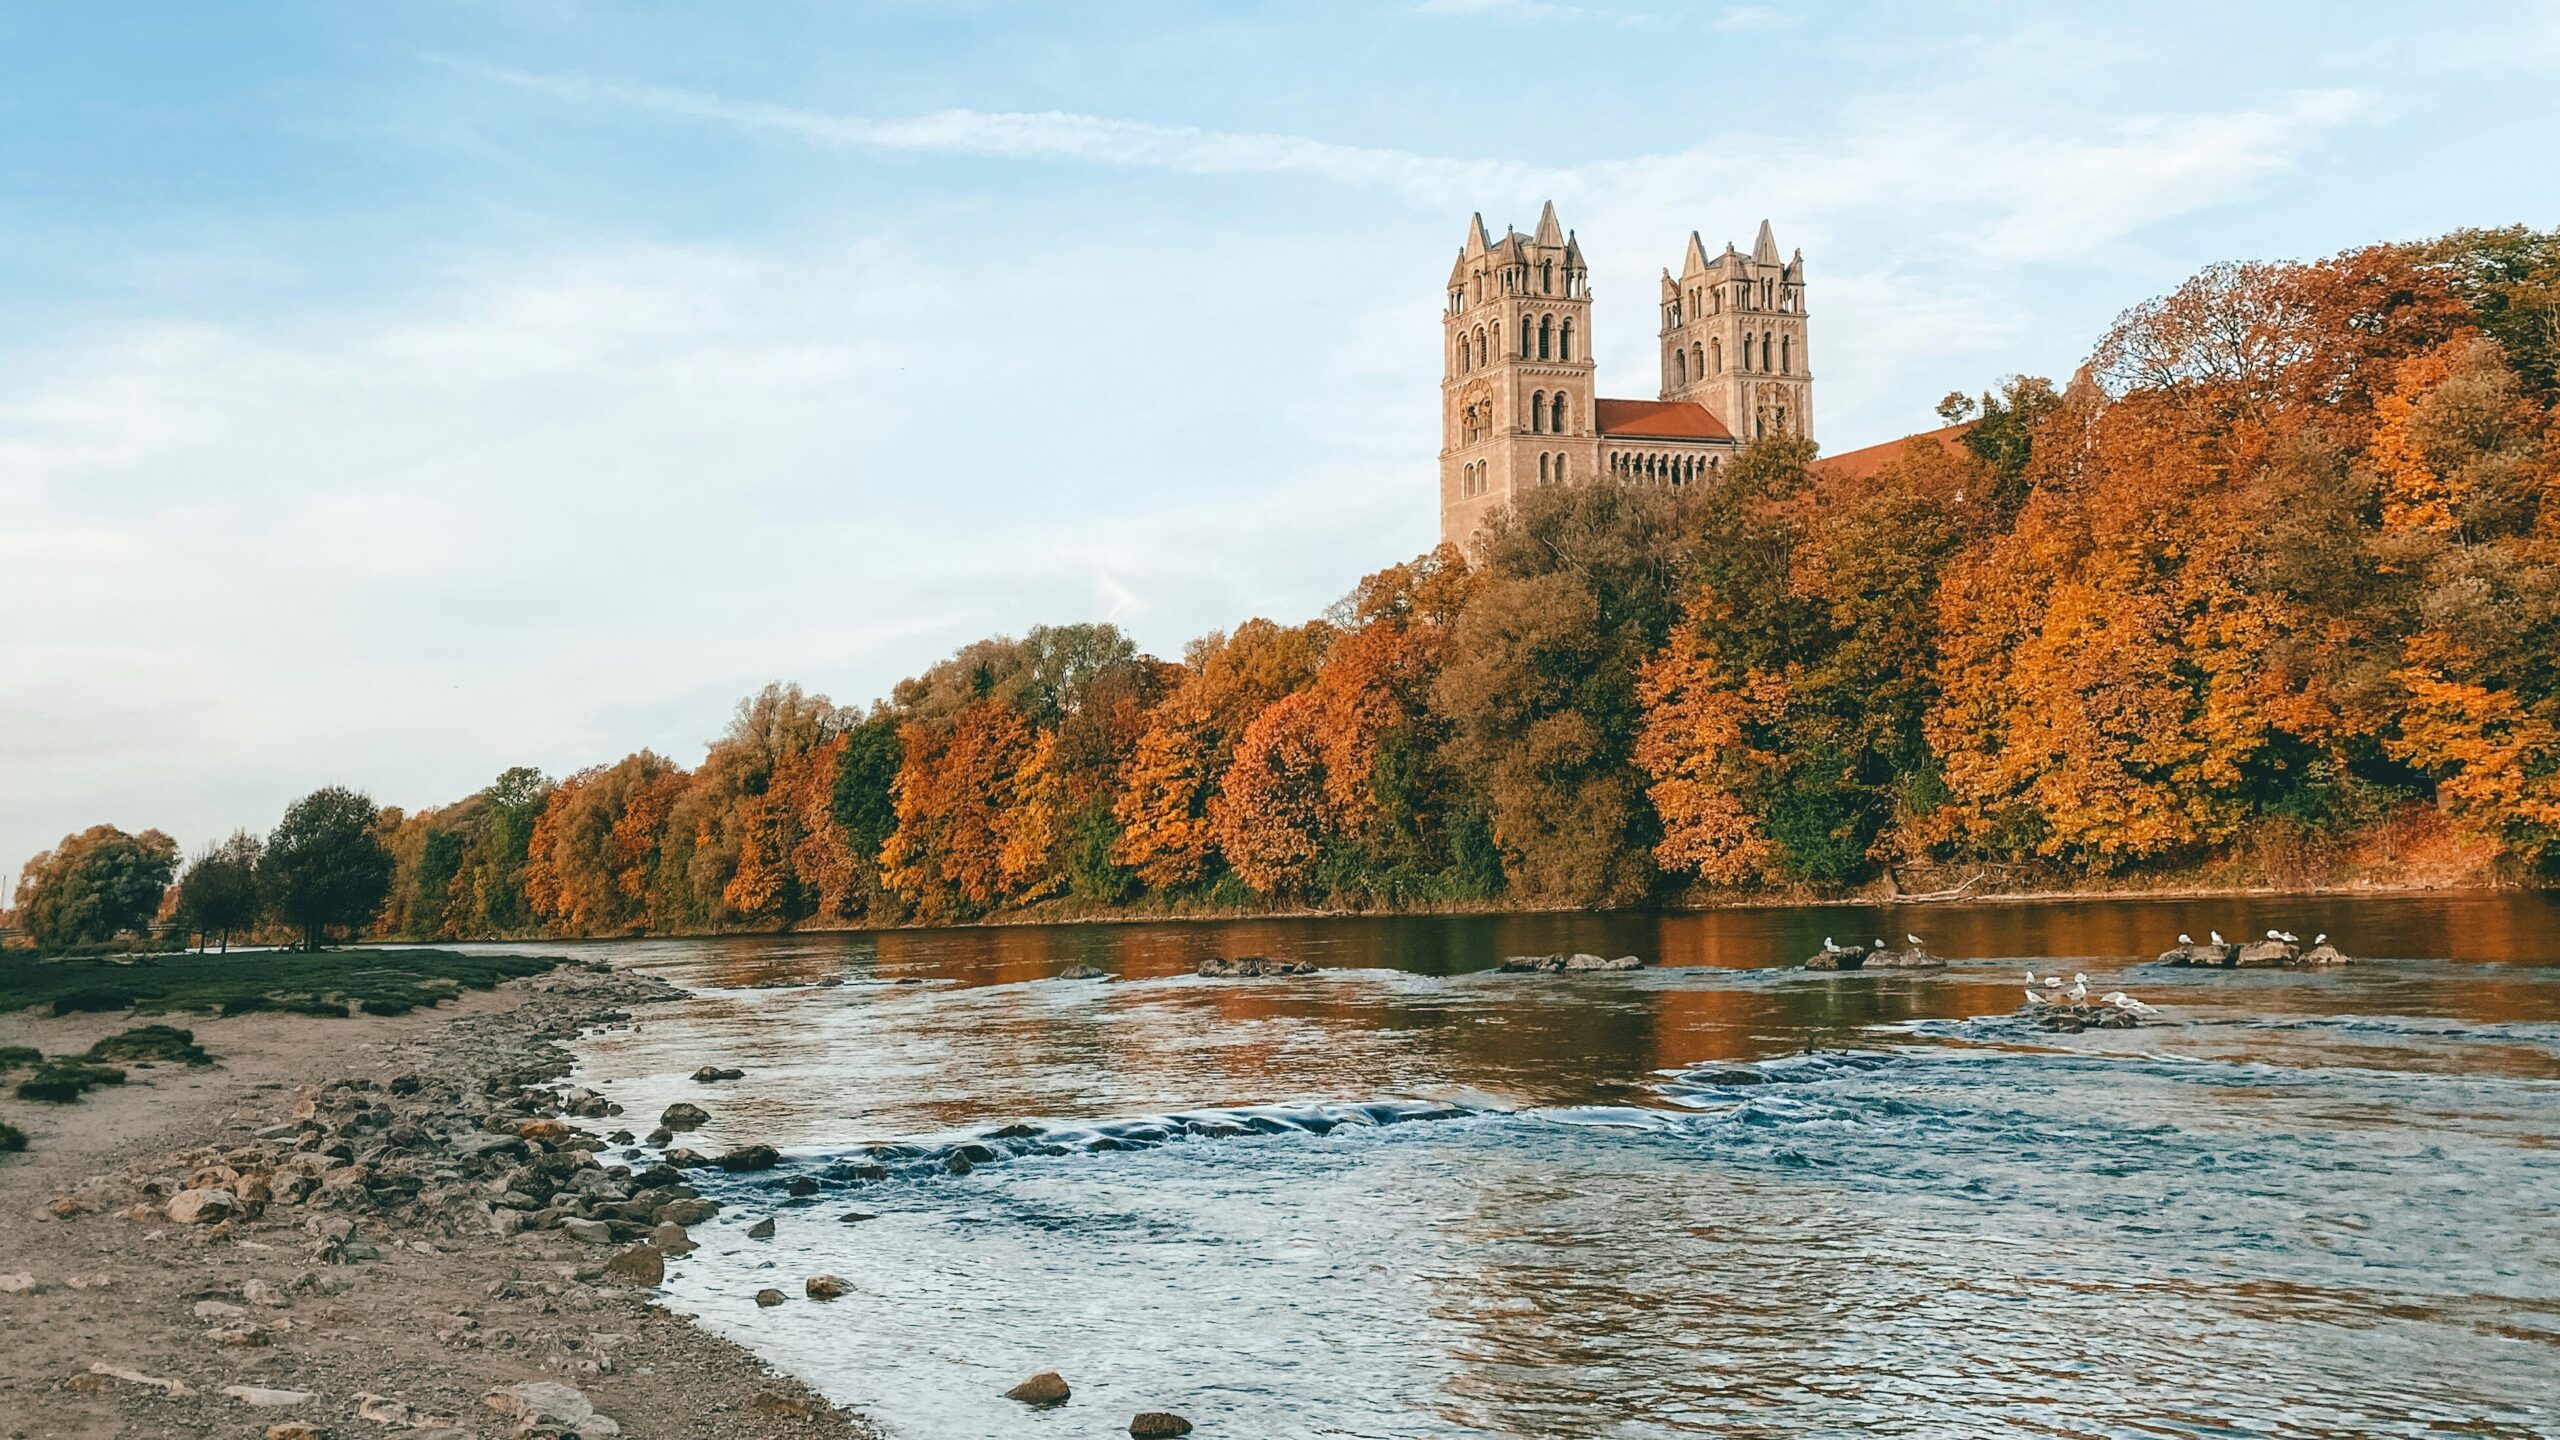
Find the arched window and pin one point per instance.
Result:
(1698, 360)
(1557, 422)
(1679, 367)
(1546, 336)
(1528, 337)
(1718, 347)
(1542, 469)
(1480, 353)
(1559, 469)
(1786, 354)
(1546, 277)
(1538, 413)
(1564, 342)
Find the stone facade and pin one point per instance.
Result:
(1518, 402)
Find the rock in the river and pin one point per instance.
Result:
(749, 1157)
(1913, 957)
(825, 1287)
(203, 1207)
(684, 1115)
(690, 1210)
(1247, 967)
(711, 1074)
(800, 1187)
(2195, 954)
(761, 1230)
(638, 1265)
(539, 1405)
(1045, 1388)
(2261, 954)
(1083, 972)
(1560, 964)
(1158, 1425)
(670, 1239)
(1837, 957)
(2323, 953)
(769, 1297)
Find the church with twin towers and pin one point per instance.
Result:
(1518, 407)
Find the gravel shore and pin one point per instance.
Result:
(354, 1227)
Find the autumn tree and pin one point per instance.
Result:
(94, 886)
(1178, 764)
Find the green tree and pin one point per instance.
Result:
(219, 893)
(95, 886)
(324, 867)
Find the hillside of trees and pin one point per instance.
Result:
(2269, 592)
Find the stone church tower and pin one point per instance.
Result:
(1518, 406)
(1733, 338)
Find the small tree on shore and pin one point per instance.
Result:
(219, 893)
(324, 866)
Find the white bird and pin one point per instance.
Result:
(2320, 939)
(1879, 944)
(1827, 945)
(2032, 997)
(1914, 939)
(2053, 982)
(2079, 991)
(2122, 1001)
(2275, 934)
(2290, 937)
(2185, 939)
(2216, 934)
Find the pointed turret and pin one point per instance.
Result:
(1696, 259)
(1478, 241)
(1573, 252)
(1764, 250)
(1549, 232)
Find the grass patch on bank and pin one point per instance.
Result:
(152, 1044)
(380, 982)
(59, 1082)
(12, 1139)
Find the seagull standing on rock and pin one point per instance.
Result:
(2216, 934)
(1914, 939)
(2079, 990)
(2185, 939)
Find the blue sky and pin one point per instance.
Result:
(393, 393)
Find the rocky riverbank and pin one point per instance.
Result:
(367, 1226)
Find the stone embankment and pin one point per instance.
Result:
(394, 1232)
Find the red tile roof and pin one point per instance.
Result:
(1863, 464)
(1658, 420)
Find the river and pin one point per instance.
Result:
(1407, 1196)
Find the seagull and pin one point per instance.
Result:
(2275, 934)
(1827, 943)
(1879, 944)
(1914, 939)
(2079, 990)
(2320, 939)
(2032, 997)
(2289, 937)
(2216, 934)
(2122, 1001)
(2053, 982)
(2185, 939)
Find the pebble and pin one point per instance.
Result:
(266, 1399)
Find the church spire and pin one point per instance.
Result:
(1477, 241)
(1765, 249)
(1549, 232)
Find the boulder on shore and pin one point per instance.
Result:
(684, 1115)
(1045, 1388)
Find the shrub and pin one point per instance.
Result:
(14, 1057)
(11, 1138)
(151, 1042)
(388, 1004)
(59, 1082)
(242, 1004)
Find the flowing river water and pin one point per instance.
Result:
(1408, 1196)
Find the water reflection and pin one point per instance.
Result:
(2311, 1204)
